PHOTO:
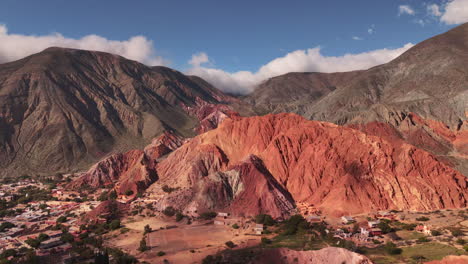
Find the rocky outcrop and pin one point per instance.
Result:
(210, 116)
(338, 170)
(123, 172)
(246, 188)
(323, 256)
(162, 145)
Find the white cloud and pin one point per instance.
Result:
(310, 60)
(17, 46)
(357, 38)
(434, 10)
(420, 22)
(405, 9)
(456, 12)
(199, 59)
(371, 30)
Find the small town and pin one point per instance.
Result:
(40, 220)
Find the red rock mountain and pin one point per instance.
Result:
(336, 169)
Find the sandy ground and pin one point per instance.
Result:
(204, 239)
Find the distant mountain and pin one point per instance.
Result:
(63, 109)
(430, 80)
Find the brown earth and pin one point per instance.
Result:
(323, 256)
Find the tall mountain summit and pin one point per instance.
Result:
(63, 109)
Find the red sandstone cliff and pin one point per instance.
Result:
(337, 169)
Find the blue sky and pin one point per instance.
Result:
(236, 35)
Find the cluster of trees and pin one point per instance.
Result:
(264, 219)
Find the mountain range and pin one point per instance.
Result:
(395, 134)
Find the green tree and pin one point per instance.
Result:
(179, 216)
(33, 242)
(42, 237)
(392, 249)
(169, 211)
(61, 219)
(264, 219)
(208, 215)
(67, 237)
(113, 195)
(230, 244)
(143, 247)
(147, 229)
(115, 224)
(385, 227)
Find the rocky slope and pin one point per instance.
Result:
(336, 169)
(323, 256)
(430, 80)
(68, 108)
(132, 171)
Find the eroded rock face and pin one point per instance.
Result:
(246, 188)
(336, 169)
(323, 256)
(132, 170)
(449, 145)
(163, 145)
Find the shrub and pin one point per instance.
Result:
(436, 233)
(179, 216)
(161, 253)
(42, 237)
(208, 215)
(456, 232)
(115, 224)
(169, 211)
(422, 219)
(418, 258)
(235, 226)
(143, 247)
(113, 195)
(192, 251)
(461, 241)
(230, 244)
(168, 189)
(385, 227)
(33, 242)
(264, 219)
(266, 240)
(61, 219)
(392, 249)
(423, 239)
(129, 192)
(147, 229)
(67, 237)
(409, 227)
